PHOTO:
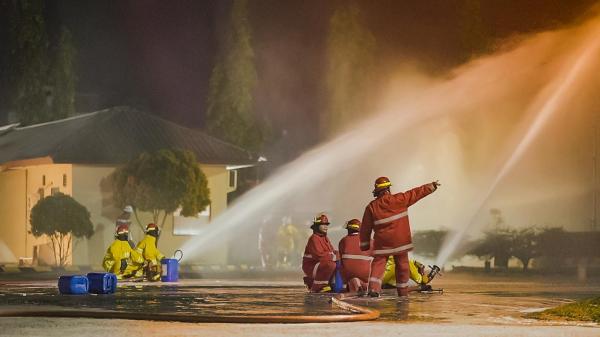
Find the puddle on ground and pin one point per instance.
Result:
(474, 302)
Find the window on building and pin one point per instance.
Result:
(54, 190)
(41, 193)
(43, 180)
(232, 178)
(64, 180)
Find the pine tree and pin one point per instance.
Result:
(63, 77)
(350, 65)
(28, 62)
(473, 34)
(230, 111)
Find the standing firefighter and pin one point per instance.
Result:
(387, 216)
(319, 258)
(125, 220)
(356, 264)
(152, 256)
(120, 258)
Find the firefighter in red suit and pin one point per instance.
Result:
(356, 264)
(318, 262)
(387, 217)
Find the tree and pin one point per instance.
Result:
(6, 13)
(60, 217)
(63, 77)
(350, 65)
(162, 182)
(503, 243)
(428, 243)
(556, 243)
(525, 245)
(473, 33)
(28, 61)
(495, 244)
(230, 111)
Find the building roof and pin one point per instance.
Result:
(113, 136)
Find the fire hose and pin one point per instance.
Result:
(359, 313)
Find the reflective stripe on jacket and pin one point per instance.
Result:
(117, 251)
(387, 217)
(355, 262)
(319, 248)
(147, 247)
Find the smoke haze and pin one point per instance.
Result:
(461, 129)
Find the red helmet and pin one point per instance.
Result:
(321, 220)
(353, 224)
(122, 229)
(381, 184)
(151, 227)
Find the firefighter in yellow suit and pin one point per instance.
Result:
(417, 274)
(122, 260)
(152, 256)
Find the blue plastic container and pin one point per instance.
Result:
(73, 284)
(338, 284)
(170, 270)
(102, 283)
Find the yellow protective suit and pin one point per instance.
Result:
(151, 254)
(121, 250)
(389, 277)
(147, 247)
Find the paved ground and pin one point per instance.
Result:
(90, 327)
(482, 306)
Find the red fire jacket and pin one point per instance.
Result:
(387, 216)
(319, 257)
(355, 263)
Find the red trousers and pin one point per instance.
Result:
(402, 273)
(317, 274)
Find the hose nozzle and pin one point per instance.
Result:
(434, 271)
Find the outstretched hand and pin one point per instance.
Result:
(436, 184)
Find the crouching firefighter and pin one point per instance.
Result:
(356, 264)
(319, 258)
(418, 275)
(122, 260)
(152, 256)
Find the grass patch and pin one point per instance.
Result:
(584, 310)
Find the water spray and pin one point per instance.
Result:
(555, 94)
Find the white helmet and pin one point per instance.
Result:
(128, 209)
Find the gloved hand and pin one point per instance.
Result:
(123, 265)
(435, 185)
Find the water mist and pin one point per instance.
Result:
(458, 129)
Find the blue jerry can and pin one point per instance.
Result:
(338, 284)
(102, 283)
(73, 284)
(170, 270)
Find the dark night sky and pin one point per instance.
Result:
(158, 54)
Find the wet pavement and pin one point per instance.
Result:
(186, 298)
(499, 302)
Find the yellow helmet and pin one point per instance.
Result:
(353, 224)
